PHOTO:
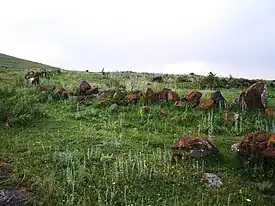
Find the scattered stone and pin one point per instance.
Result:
(206, 104)
(211, 180)
(82, 88)
(192, 146)
(61, 94)
(119, 95)
(259, 144)
(134, 96)
(103, 94)
(163, 95)
(93, 90)
(218, 98)
(255, 97)
(193, 98)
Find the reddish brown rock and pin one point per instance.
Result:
(134, 96)
(193, 97)
(255, 97)
(259, 144)
(82, 88)
(63, 94)
(192, 146)
(93, 90)
(163, 95)
(218, 98)
(207, 104)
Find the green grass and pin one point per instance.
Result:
(94, 154)
(10, 62)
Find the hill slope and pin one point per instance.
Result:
(7, 61)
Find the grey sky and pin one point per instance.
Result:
(225, 36)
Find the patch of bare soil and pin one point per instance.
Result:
(11, 196)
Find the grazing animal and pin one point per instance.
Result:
(34, 80)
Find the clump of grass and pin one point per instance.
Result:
(20, 104)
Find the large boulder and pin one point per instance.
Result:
(207, 104)
(193, 147)
(218, 99)
(61, 94)
(93, 90)
(134, 96)
(163, 95)
(82, 88)
(259, 144)
(193, 98)
(255, 97)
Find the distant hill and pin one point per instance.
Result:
(10, 62)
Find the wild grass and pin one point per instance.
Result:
(94, 154)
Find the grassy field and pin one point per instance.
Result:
(105, 154)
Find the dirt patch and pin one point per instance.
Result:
(11, 197)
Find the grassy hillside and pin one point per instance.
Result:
(12, 67)
(67, 153)
(7, 61)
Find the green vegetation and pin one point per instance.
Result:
(10, 62)
(100, 154)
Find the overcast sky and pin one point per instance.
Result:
(177, 36)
